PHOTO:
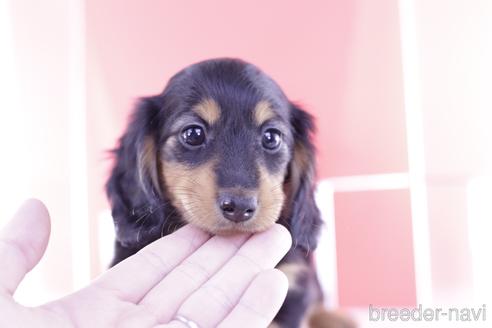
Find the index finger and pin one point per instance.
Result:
(132, 278)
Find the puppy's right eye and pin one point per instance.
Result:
(193, 135)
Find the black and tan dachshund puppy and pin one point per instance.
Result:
(221, 148)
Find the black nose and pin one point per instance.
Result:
(237, 208)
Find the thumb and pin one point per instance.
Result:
(22, 243)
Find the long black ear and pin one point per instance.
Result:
(304, 217)
(133, 187)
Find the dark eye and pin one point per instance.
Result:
(193, 135)
(271, 139)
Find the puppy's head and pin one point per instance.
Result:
(225, 149)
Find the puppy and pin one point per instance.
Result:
(221, 148)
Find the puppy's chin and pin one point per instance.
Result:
(235, 228)
(223, 227)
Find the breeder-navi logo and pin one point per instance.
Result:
(428, 314)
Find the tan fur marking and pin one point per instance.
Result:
(274, 325)
(146, 163)
(193, 192)
(320, 317)
(263, 112)
(302, 158)
(208, 110)
(270, 199)
(300, 166)
(292, 271)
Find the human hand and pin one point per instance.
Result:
(213, 281)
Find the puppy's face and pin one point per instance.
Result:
(224, 151)
(221, 148)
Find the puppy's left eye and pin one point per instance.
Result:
(271, 139)
(193, 135)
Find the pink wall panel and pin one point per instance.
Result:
(362, 131)
(374, 248)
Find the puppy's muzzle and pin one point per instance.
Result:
(236, 207)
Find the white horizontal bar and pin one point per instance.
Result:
(389, 181)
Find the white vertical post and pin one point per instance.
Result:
(415, 145)
(14, 170)
(326, 253)
(79, 216)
